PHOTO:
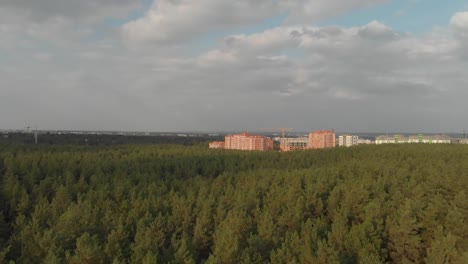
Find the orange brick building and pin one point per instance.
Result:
(217, 145)
(322, 139)
(245, 141)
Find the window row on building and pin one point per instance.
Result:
(348, 140)
(316, 140)
(396, 139)
(244, 141)
(323, 139)
(290, 144)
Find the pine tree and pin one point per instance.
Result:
(203, 232)
(183, 251)
(4, 230)
(443, 249)
(404, 235)
(88, 250)
(229, 238)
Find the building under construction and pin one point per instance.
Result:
(290, 144)
(316, 140)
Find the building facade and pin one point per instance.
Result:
(363, 141)
(290, 144)
(216, 145)
(348, 140)
(459, 140)
(322, 139)
(245, 141)
(401, 139)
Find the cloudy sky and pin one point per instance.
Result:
(218, 65)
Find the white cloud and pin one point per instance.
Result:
(460, 21)
(371, 63)
(178, 21)
(217, 57)
(169, 21)
(310, 11)
(459, 25)
(269, 41)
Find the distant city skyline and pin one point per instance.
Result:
(273, 134)
(257, 131)
(380, 66)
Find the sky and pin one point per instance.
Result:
(218, 65)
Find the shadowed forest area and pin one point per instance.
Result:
(190, 204)
(101, 139)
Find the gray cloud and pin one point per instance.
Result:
(83, 10)
(351, 79)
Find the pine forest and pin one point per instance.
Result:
(189, 204)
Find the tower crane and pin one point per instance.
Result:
(282, 129)
(28, 130)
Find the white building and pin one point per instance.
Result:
(459, 140)
(389, 139)
(396, 139)
(363, 141)
(348, 140)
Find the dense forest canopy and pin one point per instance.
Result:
(47, 138)
(189, 204)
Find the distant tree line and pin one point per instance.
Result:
(189, 204)
(101, 139)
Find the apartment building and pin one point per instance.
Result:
(322, 139)
(348, 140)
(362, 141)
(216, 145)
(401, 139)
(245, 141)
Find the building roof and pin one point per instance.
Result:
(323, 132)
(245, 134)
